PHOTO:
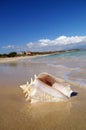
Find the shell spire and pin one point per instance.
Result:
(27, 83)
(31, 82)
(35, 76)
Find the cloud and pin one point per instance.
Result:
(59, 43)
(44, 42)
(17, 48)
(30, 45)
(9, 47)
(62, 42)
(70, 40)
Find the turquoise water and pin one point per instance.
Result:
(73, 54)
(73, 62)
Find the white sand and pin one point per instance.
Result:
(12, 59)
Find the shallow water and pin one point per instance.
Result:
(73, 62)
(17, 114)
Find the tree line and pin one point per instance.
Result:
(11, 54)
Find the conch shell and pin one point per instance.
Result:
(46, 88)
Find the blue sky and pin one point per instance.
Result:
(39, 25)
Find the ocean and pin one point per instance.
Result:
(73, 62)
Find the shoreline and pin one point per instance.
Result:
(13, 59)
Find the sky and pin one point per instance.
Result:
(42, 25)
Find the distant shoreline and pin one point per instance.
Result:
(14, 59)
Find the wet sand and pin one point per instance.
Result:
(17, 114)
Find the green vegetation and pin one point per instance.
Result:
(11, 54)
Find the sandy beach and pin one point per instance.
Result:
(14, 59)
(17, 114)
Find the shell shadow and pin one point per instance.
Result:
(74, 94)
